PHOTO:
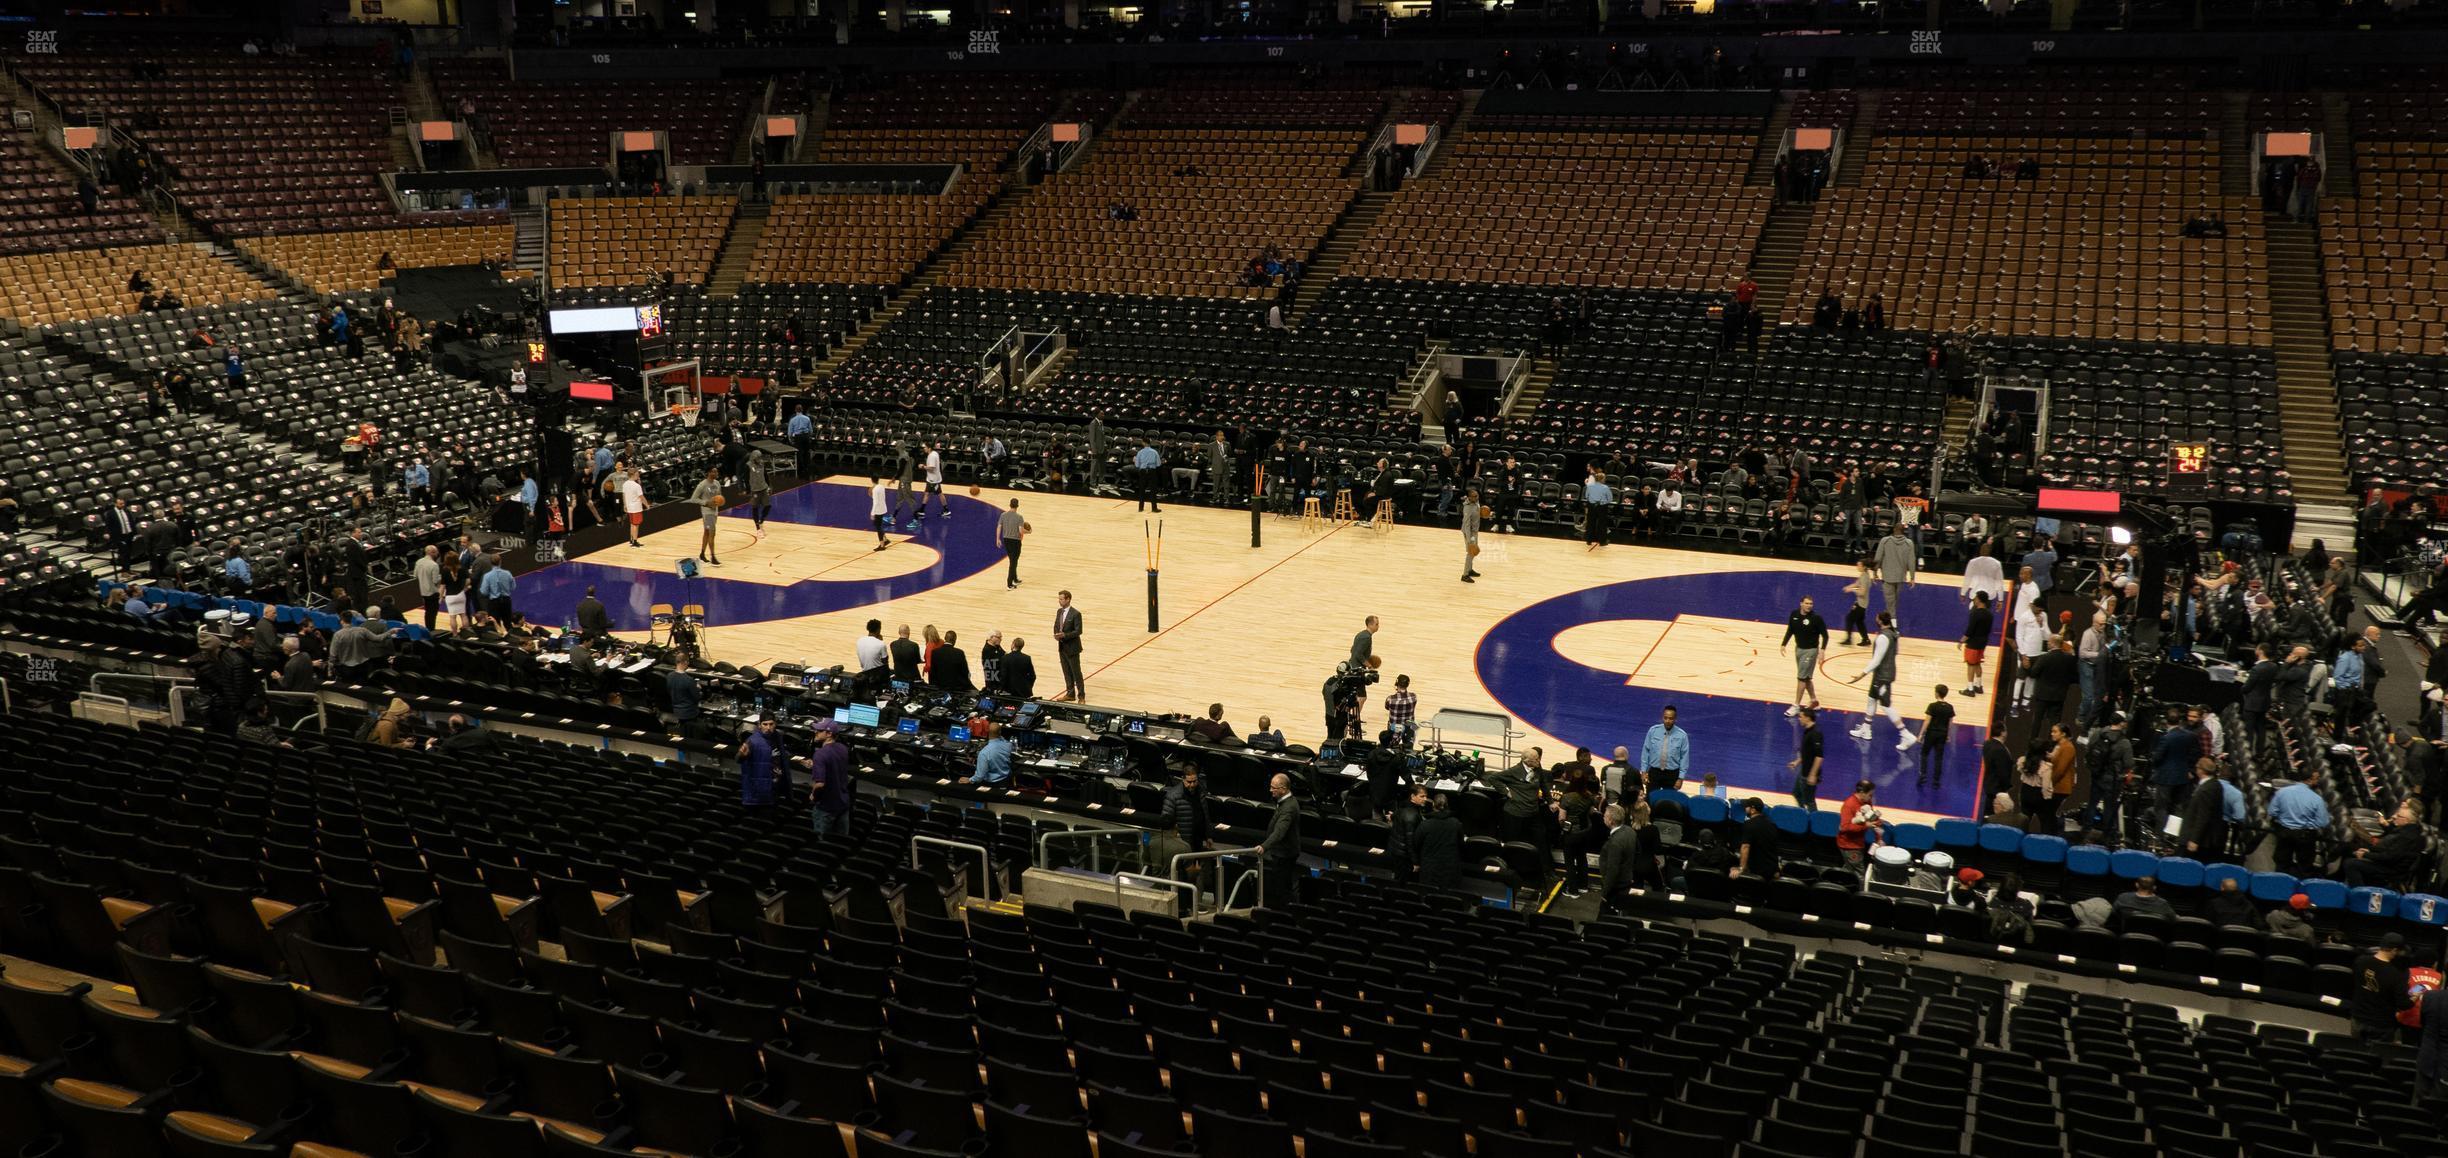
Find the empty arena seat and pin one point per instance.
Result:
(2325, 894)
(2087, 860)
(2132, 864)
(334, 262)
(2275, 887)
(1790, 819)
(2000, 838)
(1913, 837)
(2179, 872)
(2044, 850)
(1955, 833)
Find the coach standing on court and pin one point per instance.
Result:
(1470, 535)
(1598, 503)
(1144, 466)
(1009, 527)
(1067, 644)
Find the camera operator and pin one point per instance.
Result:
(1346, 692)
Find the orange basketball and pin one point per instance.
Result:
(1487, 512)
(1474, 550)
(973, 490)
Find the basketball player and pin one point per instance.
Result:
(1470, 535)
(1807, 632)
(934, 484)
(760, 491)
(1882, 673)
(879, 510)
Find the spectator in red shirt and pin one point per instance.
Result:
(1746, 291)
(1853, 827)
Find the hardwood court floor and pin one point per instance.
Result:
(1578, 647)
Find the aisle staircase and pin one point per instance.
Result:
(1534, 388)
(1452, 134)
(529, 250)
(2307, 396)
(1771, 142)
(738, 248)
(1777, 256)
(1858, 139)
(1344, 236)
(2235, 147)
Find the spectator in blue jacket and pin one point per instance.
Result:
(2172, 767)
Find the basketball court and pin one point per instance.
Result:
(1579, 648)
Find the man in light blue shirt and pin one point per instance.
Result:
(497, 587)
(1145, 464)
(136, 604)
(993, 762)
(235, 567)
(1599, 508)
(417, 481)
(2043, 563)
(2302, 818)
(2346, 678)
(1667, 749)
(800, 424)
(603, 465)
(529, 493)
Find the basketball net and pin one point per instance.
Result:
(687, 414)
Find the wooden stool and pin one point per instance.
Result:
(1311, 517)
(1385, 515)
(1343, 510)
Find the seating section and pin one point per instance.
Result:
(2091, 248)
(75, 285)
(72, 441)
(2115, 407)
(1648, 204)
(39, 208)
(2396, 425)
(746, 334)
(335, 262)
(571, 122)
(974, 119)
(861, 238)
(1203, 192)
(633, 241)
(2382, 246)
(254, 144)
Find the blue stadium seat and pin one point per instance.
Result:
(2423, 909)
(2182, 872)
(1955, 834)
(1790, 819)
(2324, 894)
(1824, 822)
(1708, 810)
(2215, 876)
(1658, 794)
(2000, 838)
(2132, 864)
(2372, 902)
(2086, 860)
(2044, 849)
(2272, 887)
(1914, 838)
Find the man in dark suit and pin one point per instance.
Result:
(1280, 851)
(2258, 685)
(2294, 680)
(1019, 671)
(593, 621)
(905, 657)
(952, 666)
(121, 525)
(1067, 645)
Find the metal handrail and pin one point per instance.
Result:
(985, 860)
(95, 684)
(1226, 904)
(8, 705)
(1223, 898)
(1096, 858)
(322, 711)
(1122, 880)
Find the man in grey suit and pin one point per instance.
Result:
(1097, 448)
(1219, 469)
(1067, 645)
(1470, 535)
(1615, 856)
(1280, 851)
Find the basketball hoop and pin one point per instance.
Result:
(687, 414)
